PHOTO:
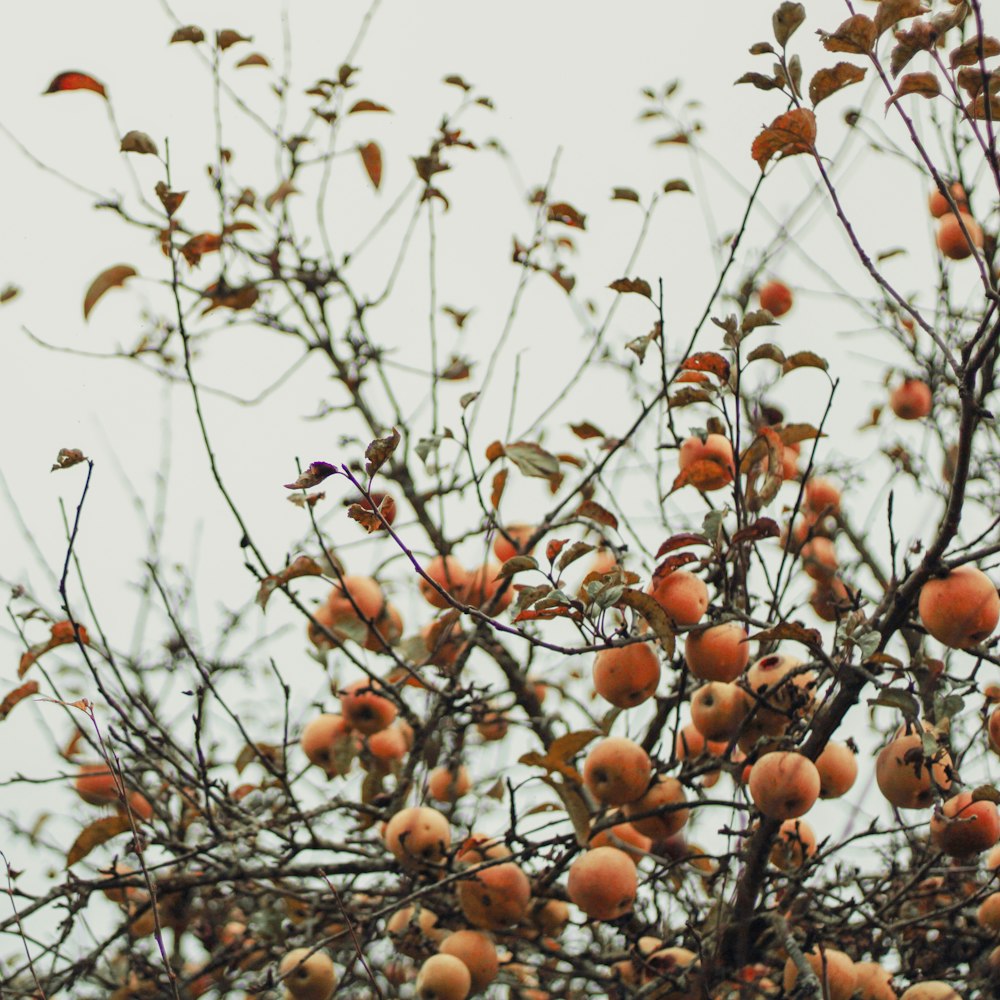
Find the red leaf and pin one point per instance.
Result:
(790, 133)
(75, 80)
(371, 157)
(673, 562)
(708, 361)
(681, 541)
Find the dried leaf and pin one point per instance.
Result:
(786, 20)
(199, 245)
(804, 359)
(562, 211)
(138, 142)
(254, 59)
(680, 541)
(170, 200)
(532, 459)
(360, 106)
(113, 277)
(789, 134)
(380, 451)
(968, 54)
(922, 37)
(227, 37)
(708, 361)
(576, 808)
(9, 292)
(279, 194)
(67, 458)
(237, 299)
(760, 81)
(313, 476)
(99, 832)
(891, 11)
(977, 108)
(826, 82)
(593, 511)
(789, 632)
(700, 474)
(796, 433)
(857, 34)
(457, 81)
(189, 33)
(689, 395)
(301, 566)
(652, 611)
(516, 564)
(676, 185)
(457, 316)
(499, 482)
(576, 551)
(637, 285)
(756, 318)
(306, 499)
(986, 793)
(924, 84)
(16, 696)
(585, 431)
(566, 747)
(624, 194)
(75, 80)
(371, 159)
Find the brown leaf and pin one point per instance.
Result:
(760, 80)
(113, 277)
(67, 458)
(9, 292)
(593, 511)
(455, 80)
(786, 20)
(371, 159)
(237, 299)
(970, 79)
(688, 395)
(891, 11)
(15, 696)
(770, 352)
(170, 200)
(254, 59)
(75, 80)
(986, 793)
(968, 53)
(499, 482)
(790, 632)
(380, 451)
(456, 315)
(789, 134)
(680, 541)
(796, 433)
(576, 807)
(826, 82)
(279, 194)
(300, 566)
(99, 832)
(924, 84)
(977, 108)
(763, 527)
(532, 459)
(704, 472)
(655, 616)
(566, 747)
(227, 37)
(313, 476)
(359, 106)
(306, 499)
(138, 142)
(562, 211)
(857, 34)
(673, 563)
(576, 551)
(922, 37)
(637, 285)
(189, 33)
(804, 359)
(676, 185)
(708, 361)
(199, 245)
(585, 431)
(624, 194)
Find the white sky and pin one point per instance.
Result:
(564, 76)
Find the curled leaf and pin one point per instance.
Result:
(313, 476)
(923, 84)
(564, 212)
(189, 33)
(67, 458)
(75, 80)
(532, 459)
(593, 511)
(380, 451)
(138, 142)
(826, 82)
(99, 832)
(786, 20)
(227, 37)
(637, 285)
(113, 277)
(254, 59)
(708, 361)
(857, 34)
(891, 11)
(17, 695)
(789, 134)
(170, 200)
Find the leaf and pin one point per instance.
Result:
(789, 134)
(566, 747)
(99, 832)
(457, 81)
(457, 316)
(687, 396)
(924, 84)
(901, 700)
(637, 285)
(891, 11)
(138, 142)
(652, 611)
(786, 20)
(532, 459)
(756, 318)
(360, 106)
(227, 37)
(313, 476)
(75, 80)
(593, 511)
(564, 212)
(857, 34)
(189, 33)
(67, 458)
(708, 361)
(676, 185)
(968, 54)
(576, 808)
(199, 245)
(284, 190)
(12, 698)
(113, 277)
(986, 793)
(576, 551)
(789, 632)
(9, 292)
(796, 433)
(254, 59)
(769, 352)
(921, 38)
(977, 108)
(366, 517)
(585, 431)
(624, 194)
(170, 200)
(301, 566)
(306, 500)
(380, 451)
(760, 81)
(763, 527)
(804, 359)
(700, 474)
(680, 541)
(826, 82)
(516, 564)
(237, 299)
(499, 482)
(371, 159)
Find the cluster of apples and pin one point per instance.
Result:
(952, 241)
